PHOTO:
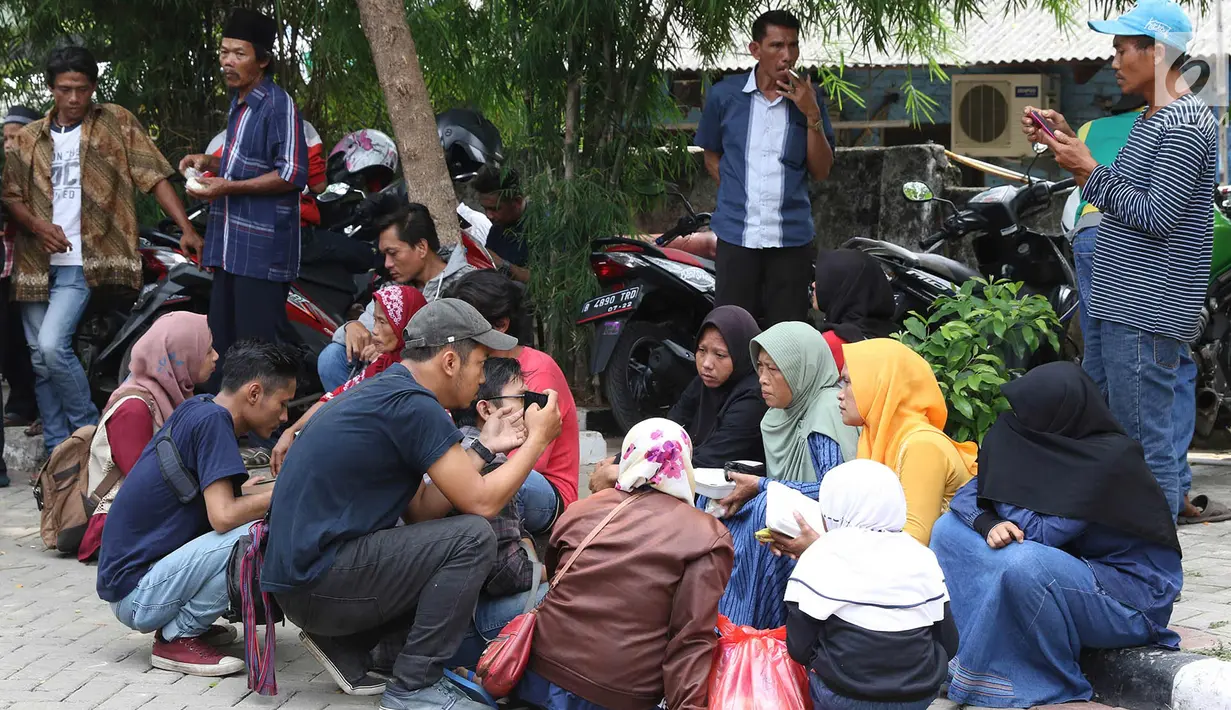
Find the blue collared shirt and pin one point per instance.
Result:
(258, 235)
(763, 194)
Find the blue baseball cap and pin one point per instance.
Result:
(1162, 20)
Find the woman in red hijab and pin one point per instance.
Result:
(394, 307)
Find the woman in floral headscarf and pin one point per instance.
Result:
(592, 648)
(394, 307)
(174, 356)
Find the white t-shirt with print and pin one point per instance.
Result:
(66, 192)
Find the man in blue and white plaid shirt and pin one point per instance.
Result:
(252, 242)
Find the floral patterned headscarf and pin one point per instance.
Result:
(658, 453)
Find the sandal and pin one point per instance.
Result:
(255, 457)
(35, 429)
(1211, 512)
(470, 685)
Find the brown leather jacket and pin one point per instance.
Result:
(632, 622)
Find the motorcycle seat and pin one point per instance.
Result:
(953, 270)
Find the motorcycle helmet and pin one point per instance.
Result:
(366, 159)
(470, 141)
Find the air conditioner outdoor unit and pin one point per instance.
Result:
(987, 109)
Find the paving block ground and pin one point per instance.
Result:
(61, 649)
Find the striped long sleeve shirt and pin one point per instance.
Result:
(1152, 257)
(258, 235)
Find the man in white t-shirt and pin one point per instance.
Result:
(68, 184)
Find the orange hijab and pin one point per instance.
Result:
(897, 396)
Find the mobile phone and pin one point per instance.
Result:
(534, 398)
(751, 468)
(1038, 121)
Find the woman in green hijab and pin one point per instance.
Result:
(804, 437)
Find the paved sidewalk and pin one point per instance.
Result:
(61, 648)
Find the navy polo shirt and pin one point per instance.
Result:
(763, 195)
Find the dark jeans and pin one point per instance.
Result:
(15, 358)
(1184, 403)
(419, 582)
(240, 308)
(771, 284)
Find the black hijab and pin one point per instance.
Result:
(855, 295)
(1061, 452)
(737, 327)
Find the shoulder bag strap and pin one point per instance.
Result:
(536, 574)
(597, 529)
(114, 475)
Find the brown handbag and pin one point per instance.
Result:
(504, 661)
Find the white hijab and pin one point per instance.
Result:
(658, 453)
(864, 569)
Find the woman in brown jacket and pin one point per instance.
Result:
(632, 621)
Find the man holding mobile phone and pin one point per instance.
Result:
(1154, 243)
(764, 134)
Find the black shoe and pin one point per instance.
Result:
(342, 665)
(4, 479)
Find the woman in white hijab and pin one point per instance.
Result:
(867, 607)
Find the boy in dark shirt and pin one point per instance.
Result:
(163, 563)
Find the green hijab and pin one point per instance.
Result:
(804, 358)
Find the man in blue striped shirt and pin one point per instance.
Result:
(252, 242)
(764, 133)
(1153, 246)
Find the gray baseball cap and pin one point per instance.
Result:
(449, 320)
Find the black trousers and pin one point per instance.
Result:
(771, 284)
(15, 358)
(417, 584)
(240, 308)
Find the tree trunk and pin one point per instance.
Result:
(410, 111)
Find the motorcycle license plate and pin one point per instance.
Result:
(611, 304)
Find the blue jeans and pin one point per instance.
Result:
(490, 616)
(184, 592)
(1024, 613)
(825, 699)
(333, 367)
(536, 503)
(60, 384)
(1184, 403)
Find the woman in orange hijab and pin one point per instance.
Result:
(890, 391)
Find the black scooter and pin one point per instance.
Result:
(654, 299)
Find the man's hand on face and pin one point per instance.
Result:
(358, 338)
(53, 238)
(504, 430)
(543, 423)
(803, 93)
(211, 188)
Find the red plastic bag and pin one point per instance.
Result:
(753, 671)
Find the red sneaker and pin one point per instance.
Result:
(193, 657)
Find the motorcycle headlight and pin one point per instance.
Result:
(691, 275)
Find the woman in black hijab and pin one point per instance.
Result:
(722, 408)
(854, 293)
(1064, 540)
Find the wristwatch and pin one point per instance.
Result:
(483, 452)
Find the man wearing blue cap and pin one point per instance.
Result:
(1152, 255)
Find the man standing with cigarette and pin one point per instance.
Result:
(764, 133)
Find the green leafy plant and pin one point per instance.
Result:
(976, 341)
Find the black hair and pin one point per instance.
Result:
(271, 364)
(498, 372)
(495, 296)
(71, 59)
(1175, 57)
(776, 18)
(463, 348)
(491, 179)
(413, 220)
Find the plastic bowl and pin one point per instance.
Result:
(712, 483)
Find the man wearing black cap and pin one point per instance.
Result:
(336, 560)
(252, 241)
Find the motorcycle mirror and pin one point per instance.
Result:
(336, 191)
(918, 192)
(1039, 148)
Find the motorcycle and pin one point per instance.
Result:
(654, 299)
(1004, 249)
(1212, 351)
